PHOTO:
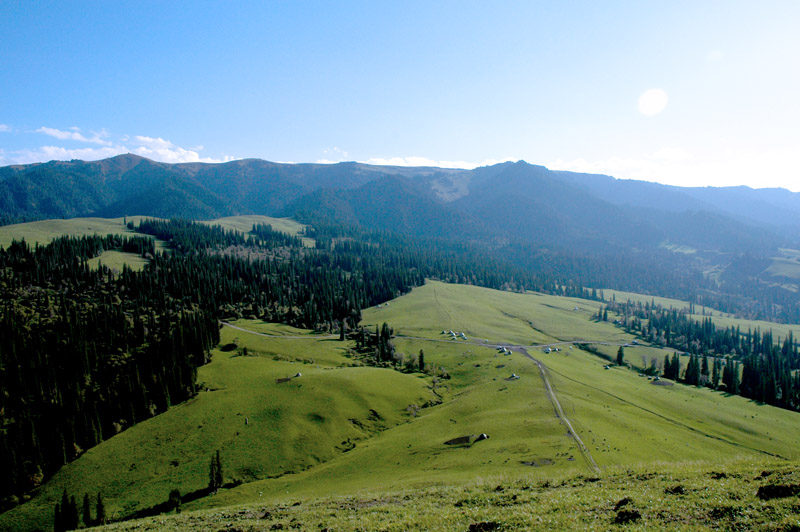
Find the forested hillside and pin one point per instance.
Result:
(86, 353)
(89, 352)
(752, 363)
(726, 247)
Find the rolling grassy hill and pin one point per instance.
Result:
(262, 428)
(44, 231)
(371, 440)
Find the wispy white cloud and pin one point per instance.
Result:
(167, 152)
(155, 148)
(75, 134)
(650, 167)
(425, 161)
(5, 128)
(59, 153)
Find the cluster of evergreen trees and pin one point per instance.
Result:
(377, 346)
(752, 363)
(84, 355)
(66, 513)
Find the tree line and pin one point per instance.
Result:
(752, 363)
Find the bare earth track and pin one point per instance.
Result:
(587, 456)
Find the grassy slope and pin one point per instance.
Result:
(667, 497)
(44, 231)
(245, 223)
(622, 418)
(666, 302)
(787, 264)
(116, 259)
(645, 438)
(292, 425)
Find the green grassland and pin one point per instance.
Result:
(661, 497)
(623, 418)
(244, 224)
(621, 297)
(115, 260)
(787, 265)
(363, 448)
(45, 231)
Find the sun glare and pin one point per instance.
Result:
(652, 102)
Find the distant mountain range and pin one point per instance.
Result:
(508, 200)
(508, 204)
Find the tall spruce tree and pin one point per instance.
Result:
(215, 472)
(87, 511)
(218, 470)
(212, 475)
(100, 509)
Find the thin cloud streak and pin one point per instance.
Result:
(155, 148)
(72, 135)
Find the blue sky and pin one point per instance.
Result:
(447, 83)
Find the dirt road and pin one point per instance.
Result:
(587, 456)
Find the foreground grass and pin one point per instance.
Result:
(683, 496)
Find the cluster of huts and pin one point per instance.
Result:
(455, 335)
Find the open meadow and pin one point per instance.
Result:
(376, 434)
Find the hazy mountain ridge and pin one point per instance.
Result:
(516, 201)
